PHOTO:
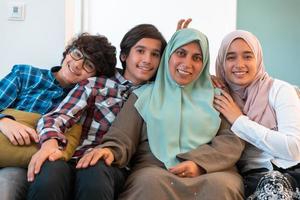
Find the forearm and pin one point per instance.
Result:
(122, 147)
(284, 143)
(124, 135)
(222, 153)
(55, 123)
(51, 143)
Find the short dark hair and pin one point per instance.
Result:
(136, 34)
(101, 52)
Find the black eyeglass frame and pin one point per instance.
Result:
(87, 64)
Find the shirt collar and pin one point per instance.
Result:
(124, 81)
(121, 79)
(55, 69)
(51, 73)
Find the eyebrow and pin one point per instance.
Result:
(144, 47)
(233, 53)
(246, 52)
(197, 53)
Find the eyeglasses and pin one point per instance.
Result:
(77, 55)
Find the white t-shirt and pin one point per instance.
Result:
(266, 146)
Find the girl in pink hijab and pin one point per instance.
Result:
(263, 111)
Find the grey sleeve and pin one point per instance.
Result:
(124, 135)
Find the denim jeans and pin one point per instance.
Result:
(13, 183)
(60, 180)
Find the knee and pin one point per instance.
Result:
(99, 181)
(227, 185)
(52, 176)
(146, 177)
(52, 172)
(93, 176)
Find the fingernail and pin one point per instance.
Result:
(218, 91)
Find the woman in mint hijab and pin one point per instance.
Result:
(169, 134)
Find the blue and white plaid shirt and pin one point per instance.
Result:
(31, 89)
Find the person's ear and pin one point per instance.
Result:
(123, 57)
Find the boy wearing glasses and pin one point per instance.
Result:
(32, 89)
(94, 103)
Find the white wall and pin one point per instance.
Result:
(114, 18)
(38, 40)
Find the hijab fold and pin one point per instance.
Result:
(178, 118)
(253, 99)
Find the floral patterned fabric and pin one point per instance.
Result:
(275, 185)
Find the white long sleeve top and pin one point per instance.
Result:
(280, 147)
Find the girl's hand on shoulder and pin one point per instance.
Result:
(226, 105)
(91, 157)
(217, 82)
(187, 169)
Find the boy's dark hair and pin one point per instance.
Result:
(100, 51)
(136, 34)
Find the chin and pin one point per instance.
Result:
(144, 78)
(240, 83)
(181, 83)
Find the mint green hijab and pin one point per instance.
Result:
(178, 118)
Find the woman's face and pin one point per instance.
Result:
(240, 63)
(186, 63)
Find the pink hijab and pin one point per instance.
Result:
(253, 99)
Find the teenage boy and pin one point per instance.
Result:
(32, 89)
(94, 103)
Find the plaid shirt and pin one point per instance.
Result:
(94, 103)
(30, 89)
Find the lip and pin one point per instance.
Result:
(183, 72)
(145, 68)
(240, 72)
(72, 71)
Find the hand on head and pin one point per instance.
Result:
(183, 23)
(17, 133)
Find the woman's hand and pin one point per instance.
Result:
(93, 155)
(183, 23)
(17, 133)
(187, 169)
(225, 105)
(217, 82)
